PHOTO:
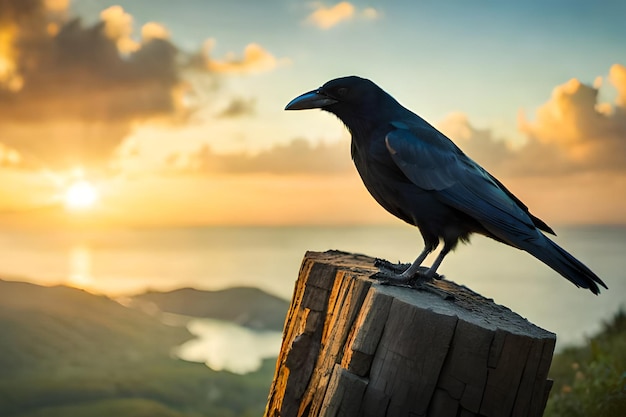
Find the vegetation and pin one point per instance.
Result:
(590, 381)
(66, 353)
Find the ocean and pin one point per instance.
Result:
(125, 262)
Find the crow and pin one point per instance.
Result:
(420, 176)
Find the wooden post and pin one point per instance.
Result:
(352, 347)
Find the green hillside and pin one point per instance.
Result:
(250, 307)
(590, 380)
(65, 352)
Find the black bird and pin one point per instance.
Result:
(420, 176)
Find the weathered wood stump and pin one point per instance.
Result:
(353, 347)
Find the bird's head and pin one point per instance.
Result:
(349, 98)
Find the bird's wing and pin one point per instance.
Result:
(432, 162)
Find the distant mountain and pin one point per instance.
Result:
(250, 307)
(67, 353)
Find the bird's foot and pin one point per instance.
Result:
(422, 280)
(386, 266)
(397, 272)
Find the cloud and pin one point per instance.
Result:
(57, 5)
(118, 26)
(573, 131)
(369, 13)
(570, 133)
(70, 96)
(296, 157)
(326, 17)
(9, 157)
(495, 154)
(239, 107)
(71, 93)
(153, 30)
(573, 160)
(255, 59)
(617, 76)
(479, 144)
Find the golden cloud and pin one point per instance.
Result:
(255, 59)
(617, 76)
(153, 30)
(296, 157)
(118, 26)
(571, 133)
(325, 17)
(72, 95)
(8, 156)
(10, 78)
(479, 144)
(239, 107)
(57, 5)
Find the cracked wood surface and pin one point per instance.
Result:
(353, 347)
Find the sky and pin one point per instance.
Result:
(160, 113)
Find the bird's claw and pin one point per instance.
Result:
(386, 265)
(416, 281)
(391, 274)
(394, 272)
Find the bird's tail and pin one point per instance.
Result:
(565, 264)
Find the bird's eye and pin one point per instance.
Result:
(342, 91)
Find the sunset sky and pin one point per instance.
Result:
(163, 113)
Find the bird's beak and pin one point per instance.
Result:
(311, 100)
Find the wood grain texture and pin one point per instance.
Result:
(354, 347)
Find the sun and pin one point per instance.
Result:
(80, 195)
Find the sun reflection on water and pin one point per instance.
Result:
(80, 266)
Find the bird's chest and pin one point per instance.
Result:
(382, 177)
(375, 165)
